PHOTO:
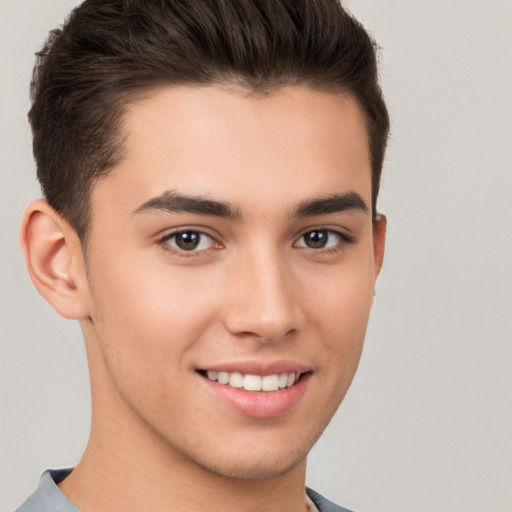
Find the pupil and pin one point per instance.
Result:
(316, 239)
(187, 241)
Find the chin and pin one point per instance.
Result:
(261, 469)
(256, 460)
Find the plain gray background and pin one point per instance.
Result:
(427, 424)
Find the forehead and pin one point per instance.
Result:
(259, 150)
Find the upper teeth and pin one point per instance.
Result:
(254, 382)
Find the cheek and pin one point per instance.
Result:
(150, 313)
(339, 310)
(343, 295)
(146, 325)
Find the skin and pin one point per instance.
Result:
(153, 315)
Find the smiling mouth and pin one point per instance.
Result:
(252, 382)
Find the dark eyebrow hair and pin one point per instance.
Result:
(174, 203)
(331, 204)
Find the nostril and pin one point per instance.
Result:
(265, 308)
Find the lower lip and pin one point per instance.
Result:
(260, 404)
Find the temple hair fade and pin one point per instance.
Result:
(111, 52)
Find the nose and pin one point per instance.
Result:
(262, 300)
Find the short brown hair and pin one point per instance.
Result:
(109, 52)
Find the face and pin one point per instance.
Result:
(231, 266)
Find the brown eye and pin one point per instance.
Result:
(320, 239)
(316, 239)
(189, 241)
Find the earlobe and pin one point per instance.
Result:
(54, 260)
(379, 241)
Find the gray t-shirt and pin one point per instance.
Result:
(49, 498)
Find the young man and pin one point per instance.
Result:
(210, 172)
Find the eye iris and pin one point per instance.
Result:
(187, 240)
(316, 239)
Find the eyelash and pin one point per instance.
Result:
(165, 242)
(344, 240)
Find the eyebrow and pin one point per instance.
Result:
(335, 203)
(173, 202)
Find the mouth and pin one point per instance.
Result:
(253, 382)
(252, 390)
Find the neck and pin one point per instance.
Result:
(127, 466)
(115, 474)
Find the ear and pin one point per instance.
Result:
(54, 259)
(379, 242)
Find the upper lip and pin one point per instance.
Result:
(259, 367)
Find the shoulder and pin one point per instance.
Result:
(323, 504)
(48, 497)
